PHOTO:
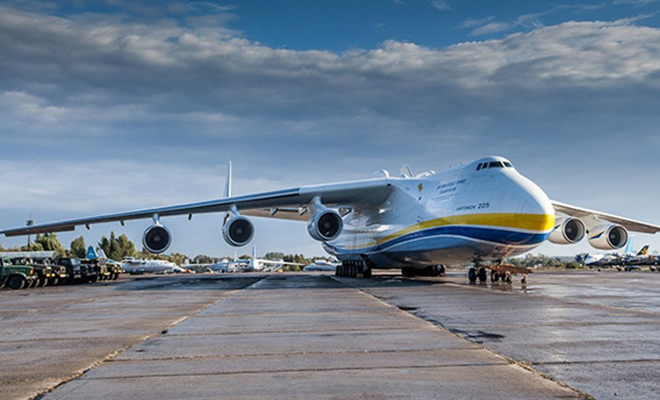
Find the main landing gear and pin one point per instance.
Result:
(435, 270)
(353, 269)
(477, 272)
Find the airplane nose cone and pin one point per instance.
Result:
(537, 208)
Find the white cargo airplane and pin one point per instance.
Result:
(481, 212)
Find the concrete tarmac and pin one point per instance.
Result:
(568, 335)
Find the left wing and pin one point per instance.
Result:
(582, 213)
(288, 204)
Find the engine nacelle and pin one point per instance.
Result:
(325, 225)
(608, 237)
(568, 230)
(238, 231)
(156, 239)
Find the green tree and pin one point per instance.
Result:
(274, 256)
(78, 247)
(48, 242)
(177, 258)
(203, 259)
(117, 248)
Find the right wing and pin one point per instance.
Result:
(584, 213)
(288, 204)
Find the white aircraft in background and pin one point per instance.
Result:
(484, 211)
(258, 264)
(134, 266)
(321, 265)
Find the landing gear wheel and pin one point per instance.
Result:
(366, 271)
(494, 276)
(472, 275)
(523, 280)
(482, 275)
(508, 279)
(441, 270)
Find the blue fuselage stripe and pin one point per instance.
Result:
(499, 236)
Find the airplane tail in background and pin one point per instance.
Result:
(91, 253)
(631, 243)
(643, 251)
(228, 183)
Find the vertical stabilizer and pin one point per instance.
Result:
(91, 253)
(228, 183)
(631, 243)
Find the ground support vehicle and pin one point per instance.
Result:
(97, 266)
(75, 272)
(16, 276)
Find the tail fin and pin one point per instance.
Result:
(643, 251)
(91, 253)
(631, 243)
(101, 253)
(228, 183)
(406, 172)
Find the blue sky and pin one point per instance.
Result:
(114, 105)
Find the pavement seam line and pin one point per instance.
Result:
(438, 325)
(116, 353)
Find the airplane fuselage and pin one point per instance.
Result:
(484, 211)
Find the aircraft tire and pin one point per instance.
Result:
(442, 271)
(494, 276)
(472, 275)
(482, 275)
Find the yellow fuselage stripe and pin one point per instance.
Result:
(528, 222)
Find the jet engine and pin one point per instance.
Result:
(608, 237)
(325, 225)
(238, 231)
(156, 238)
(568, 230)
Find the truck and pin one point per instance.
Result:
(15, 276)
(76, 271)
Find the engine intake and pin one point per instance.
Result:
(156, 239)
(568, 230)
(608, 237)
(325, 225)
(238, 231)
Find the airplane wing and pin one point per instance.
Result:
(288, 204)
(630, 224)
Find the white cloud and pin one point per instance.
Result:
(440, 5)
(492, 27)
(158, 109)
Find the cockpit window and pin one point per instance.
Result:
(508, 164)
(479, 166)
(495, 164)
